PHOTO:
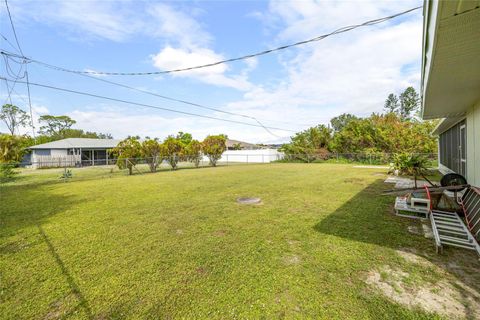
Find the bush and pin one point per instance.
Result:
(7, 172)
(410, 164)
(213, 147)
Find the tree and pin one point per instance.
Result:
(385, 133)
(309, 144)
(341, 121)
(392, 103)
(127, 153)
(12, 148)
(151, 152)
(409, 103)
(55, 125)
(14, 117)
(213, 147)
(184, 138)
(193, 152)
(172, 150)
(237, 146)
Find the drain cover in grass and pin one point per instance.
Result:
(246, 200)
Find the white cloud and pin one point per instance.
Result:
(121, 122)
(193, 48)
(170, 58)
(83, 19)
(177, 26)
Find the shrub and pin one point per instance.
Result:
(151, 151)
(127, 153)
(193, 152)
(7, 172)
(172, 150)
(213, 147)
(410, 164)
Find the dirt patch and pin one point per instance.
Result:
(292, 260)
(454, 300)
(179, 231)
(201, 271)
(220, 233)
(411, 256)
(415, 230)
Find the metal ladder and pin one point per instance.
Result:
(449, 229)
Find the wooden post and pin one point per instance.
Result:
(93, 158)
(106, 155)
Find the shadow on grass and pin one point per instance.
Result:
(368, 217)
(26, 206)
(82, 302)
(364, 218)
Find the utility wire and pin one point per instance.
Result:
(56, 68)
(9, 55)
(13, 28)
(8, 41)
(11, 73)
(167, 97)
(24, 62)
(144, 105)
(261, 53)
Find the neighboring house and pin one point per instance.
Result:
(72, 151)
(451, 82)
(240, 145)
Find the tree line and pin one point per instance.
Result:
(52, 127)
(398, 129)
(173, 149)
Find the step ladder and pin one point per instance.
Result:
(449, 229)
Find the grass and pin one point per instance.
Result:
(175, 244)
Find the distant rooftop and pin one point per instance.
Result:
(244, 145)
(85, 143)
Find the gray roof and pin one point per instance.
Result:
(79, 143)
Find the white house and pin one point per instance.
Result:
(451, 82)
(72, 151)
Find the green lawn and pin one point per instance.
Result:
(177, 245)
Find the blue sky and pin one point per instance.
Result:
(291, 89)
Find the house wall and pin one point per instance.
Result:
(42, 157)
(473, 145)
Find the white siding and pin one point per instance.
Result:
(58, 152)
(39, 155)
(473, 145)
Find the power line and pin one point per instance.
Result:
(13, 27)
(145, 105)
(23, 62)
(7, 54)
(11, 73)
(167, 97)
(261, 53)
(8, 41)
(161, 96)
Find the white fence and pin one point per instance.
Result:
(40, 161)
(250, 156)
